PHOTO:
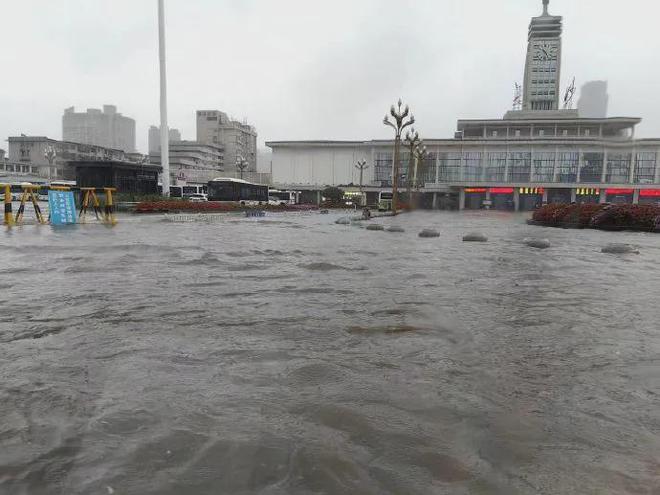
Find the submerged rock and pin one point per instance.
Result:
(375, 226)
(395, 228)
(475, 237)
(429, 233)
(619, 249)
(537, 243)
(343, 221)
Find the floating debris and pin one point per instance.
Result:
(429, 233)
(375, 226)
(619, 249)
(537, 243)
(475, 237)
(395, 228)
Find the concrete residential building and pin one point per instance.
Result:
(192, 162)
(27, 155)
(238, 139)
(535, 155)
(593, 100)
(106, 128)
(154, 138)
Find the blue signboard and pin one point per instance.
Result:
(62, 207)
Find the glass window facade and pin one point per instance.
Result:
(383, 168)
(520, 166)
(427, 172)
(450, 167)
(472, 166)
(544, 167)
(495, 167)
(568, 162)
(645, 168)
(592, 168)
(618, 168)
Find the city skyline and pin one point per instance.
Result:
(295, 82)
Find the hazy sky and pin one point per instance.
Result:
(311, 69)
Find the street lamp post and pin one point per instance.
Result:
(241, 165)
(402, 119)
(50, 154)
(361, 165)
(420, 155)
(412, 141)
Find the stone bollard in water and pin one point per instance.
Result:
(537, 243)
(429, 234)
(475, 237)
(619, 249)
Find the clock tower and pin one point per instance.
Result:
(543, 65)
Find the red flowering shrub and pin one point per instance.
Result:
(633, 217)
(209, 207)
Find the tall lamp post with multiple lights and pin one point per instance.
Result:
(50, 154)
(241, 165)
(420, 156)
(412, 141)
(402, 119)
(361, 165)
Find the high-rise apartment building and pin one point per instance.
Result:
(593, 100)
(107, 128)
(239, 140)
(154, 138)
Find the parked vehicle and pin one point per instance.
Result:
(244, 192)
(198, 197)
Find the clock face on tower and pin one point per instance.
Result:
(545, 51)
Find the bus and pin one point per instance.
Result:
(229, 189)
(385, 201)
(190, 189)
(283, 197)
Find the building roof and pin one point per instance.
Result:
(115, 163)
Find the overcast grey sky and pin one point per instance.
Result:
(311, 69)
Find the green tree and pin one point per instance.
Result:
(333, 195)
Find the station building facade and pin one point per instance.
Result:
(535, 154)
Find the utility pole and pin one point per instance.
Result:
(361, 165)
(164, 129)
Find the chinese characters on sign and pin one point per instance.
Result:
(62, 207)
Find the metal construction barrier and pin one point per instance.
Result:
(108, 214)
(105, 214)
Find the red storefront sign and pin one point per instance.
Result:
(619, 191)
(501, 190)
(649, 193)
(475, 190)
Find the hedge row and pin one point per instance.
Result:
(606, 217)
(209, 207)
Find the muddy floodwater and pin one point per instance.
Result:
(290, 355)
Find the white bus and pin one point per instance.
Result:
(385, 201)
(276, 196)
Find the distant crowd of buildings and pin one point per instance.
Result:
(107, 136)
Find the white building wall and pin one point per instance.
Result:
(321, 165)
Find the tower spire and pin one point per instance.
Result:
(545, 7)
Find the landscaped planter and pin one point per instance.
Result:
(605, 217)
(170, 206)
